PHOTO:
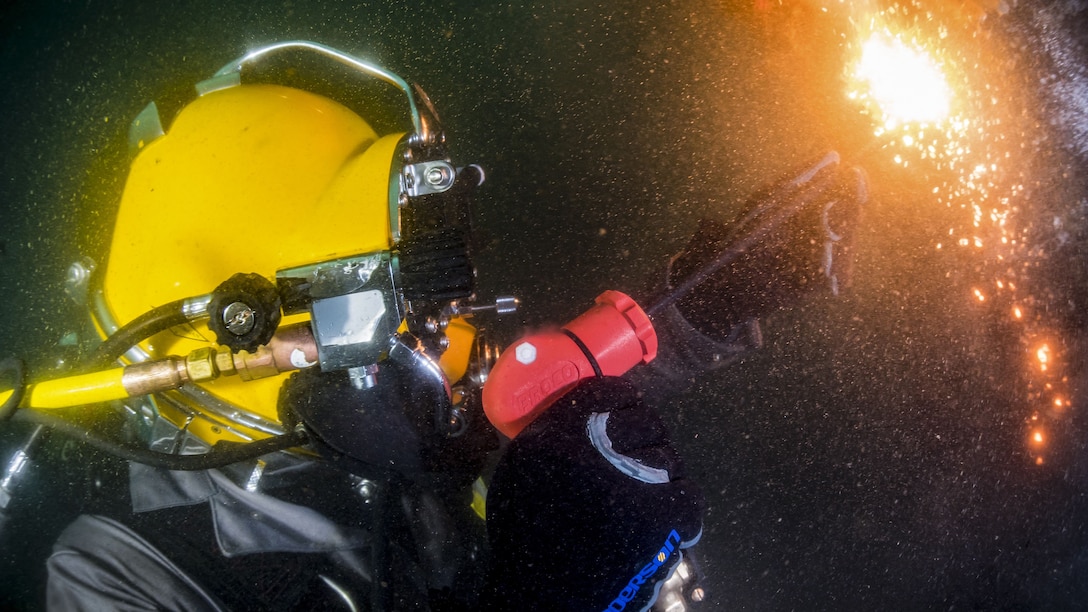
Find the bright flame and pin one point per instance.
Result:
(905, 68)
(906, 83)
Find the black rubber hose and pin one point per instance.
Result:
(141, 328)
(222, 455)
(18, 373)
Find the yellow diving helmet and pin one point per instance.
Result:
(260, 199)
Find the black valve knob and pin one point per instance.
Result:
(244, 312)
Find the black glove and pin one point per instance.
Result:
(793, 238)
(589, 507)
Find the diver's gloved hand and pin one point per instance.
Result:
(589, 506)
(793, 238)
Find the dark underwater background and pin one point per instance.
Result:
(877, 454)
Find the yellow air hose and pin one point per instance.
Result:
(76, 390)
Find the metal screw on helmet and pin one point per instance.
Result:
(239, 318)
(439, 177)
(79, 273)
(458, 423)
(78, 279)
(366, 489)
